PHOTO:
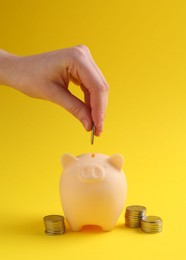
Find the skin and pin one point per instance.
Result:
(47, 76)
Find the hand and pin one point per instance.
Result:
(47, 76)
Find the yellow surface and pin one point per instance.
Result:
(141, 48)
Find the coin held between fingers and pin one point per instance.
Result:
(92, 134)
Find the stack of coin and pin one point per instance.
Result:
(54, 225)
(133, 215)
(151, 224)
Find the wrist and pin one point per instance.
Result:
(8, 63)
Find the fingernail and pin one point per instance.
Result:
(85, 124)
(101, 127)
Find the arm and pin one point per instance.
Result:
(47, 76)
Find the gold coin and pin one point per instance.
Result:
(136, 208)
(152, 219)
(54, 224)
(133, 215)
(151, 224)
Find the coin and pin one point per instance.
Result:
(54, 224)
(151, 224)
(92, 134)
(133, 215)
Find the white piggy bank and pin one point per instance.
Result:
(93, 190)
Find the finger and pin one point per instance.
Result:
(95, 66)
(101, 97)
(86, 73)
(98, 97)
(98, 109)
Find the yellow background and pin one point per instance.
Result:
(140, 47)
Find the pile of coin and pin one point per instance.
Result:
(54, 225)
(151, 224)
(133, 215)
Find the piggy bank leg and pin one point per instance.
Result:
(108, 225)
(75, 227)
(107, 228)
(74, 224)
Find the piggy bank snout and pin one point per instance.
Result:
(92, 173)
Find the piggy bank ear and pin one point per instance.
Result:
(67, 160)
(116, 160)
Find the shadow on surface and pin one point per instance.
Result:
(128, 229)
(22, 225)
(34, 225)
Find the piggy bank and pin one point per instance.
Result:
(93, 190)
